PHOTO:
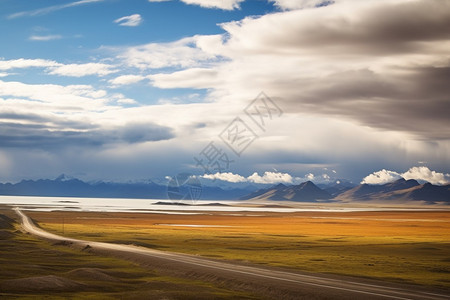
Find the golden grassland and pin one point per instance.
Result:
(35, 269)
(406, 246)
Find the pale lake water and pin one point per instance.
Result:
(150, 206)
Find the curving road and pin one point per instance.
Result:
(267, 282)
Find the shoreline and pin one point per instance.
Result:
(164, 206)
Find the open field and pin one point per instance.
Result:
(35, 269)
(412, 247)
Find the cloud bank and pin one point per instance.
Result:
(354, 59)
(421, 173)
(45, 116)
(267, 178)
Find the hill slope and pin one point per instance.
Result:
(304, 192)
(400, 190)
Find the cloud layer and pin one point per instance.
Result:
(54, 116)
(362, 84)
(382, 64)
(268, 177)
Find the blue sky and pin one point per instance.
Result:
(129, 90)
(81, 32)
(88, 26)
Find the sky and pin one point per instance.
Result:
(262, 91)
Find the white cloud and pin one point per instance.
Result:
(424, 173)
(70, 97)
(22, 63)
(266, 178)
(44, 38)
(131, 21)
(226, 176)
(55, 68)
(49, 9)
(126, 79)
(221, 4)
(218, 4)
(421, 173)
(79, 70)
(126, 101)
(121, 99)
(270, 177)
(300, 4)
(198, 78)
(324, 178)
(182, 53)
(381, 177)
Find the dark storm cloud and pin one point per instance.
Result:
(418, 102)
(44, 137)
(19, 116)
(383, 64)
(140, 132)
(370, 28)
(36, 120)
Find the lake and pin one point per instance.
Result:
(151, 206)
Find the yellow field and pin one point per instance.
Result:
(35, 269)
(410, 247)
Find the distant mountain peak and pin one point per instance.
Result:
(307, 185)
(399, 190)
(401, 184)
(303, 192)
(62, 177)
(280, 185)
(65, 186)
(413, 181)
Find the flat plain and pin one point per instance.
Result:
(31, 268)
(395, 246)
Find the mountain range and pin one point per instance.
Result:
(339, 191)
(304, 192)
(400, 190)
(63, 186)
